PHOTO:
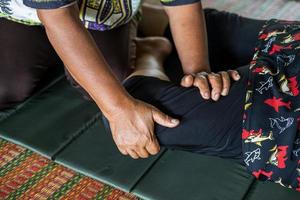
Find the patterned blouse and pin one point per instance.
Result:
(95, 14)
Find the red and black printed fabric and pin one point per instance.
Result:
(271, 128)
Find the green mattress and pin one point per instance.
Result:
(59, 124)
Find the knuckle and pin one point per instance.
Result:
(201, 82)
(225, 76)
(197, 82)
(201, 76)
(214, 77)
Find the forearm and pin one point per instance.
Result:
(82, 57)
(189, 32)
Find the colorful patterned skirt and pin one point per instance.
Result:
(271, 128)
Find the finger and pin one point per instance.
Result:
(153, 147)
(216, 84)
(123, 151)
(226, 83)
(164, 119)
(132, 154)
(187, 81)
(234, 74)
(142, 152)
(201, 83)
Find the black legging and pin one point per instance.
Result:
(206, 127)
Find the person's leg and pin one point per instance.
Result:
(231, 42)
(151, 54)
(206, 127)
(27, 60)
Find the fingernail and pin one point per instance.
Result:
(175, 121)
(216, 96)
(206, 95)
(224, 92)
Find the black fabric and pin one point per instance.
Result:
(38, 4)
(207, 127)
(27, 61)
(231, 42)
(178, 2)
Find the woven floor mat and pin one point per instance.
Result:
(27, 175)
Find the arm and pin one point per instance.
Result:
(189, 32)
(131, 121)
(83, 59)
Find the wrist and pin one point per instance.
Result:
(113, 109)
(196, 69)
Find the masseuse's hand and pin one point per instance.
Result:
(133, 129)
(211, 85)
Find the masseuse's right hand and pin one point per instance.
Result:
(133, 128)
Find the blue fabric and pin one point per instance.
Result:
(46, 4)
(178, 2)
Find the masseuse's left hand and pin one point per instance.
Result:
(211, 85)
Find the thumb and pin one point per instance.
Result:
(164, 119)
(187, 81)
(234, 75)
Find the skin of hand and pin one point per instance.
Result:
(131, 121)
(188, 28)
(221, 82)
(133, 141)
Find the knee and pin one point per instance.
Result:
(13, 93)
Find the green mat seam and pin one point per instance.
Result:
(147, 171)
(87, 125)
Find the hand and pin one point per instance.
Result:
(133, 129)
(218, 82)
